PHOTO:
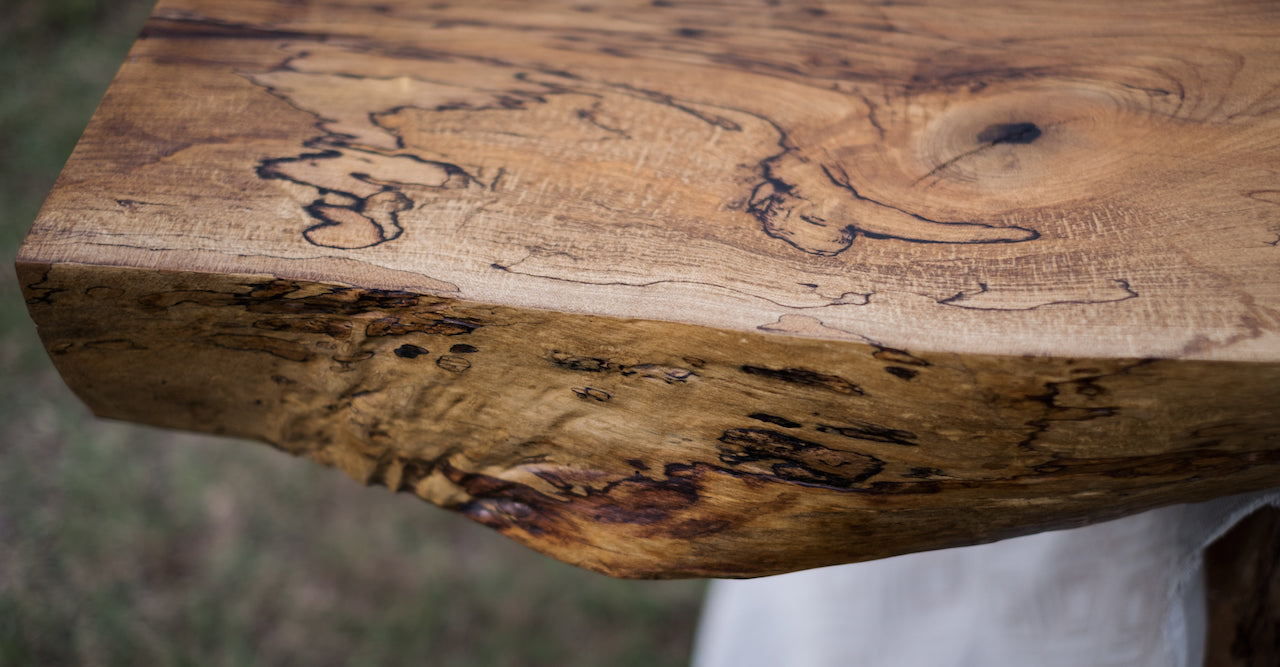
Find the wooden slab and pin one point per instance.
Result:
(694, 289)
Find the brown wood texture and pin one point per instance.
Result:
(694, 289)
(1242, 577)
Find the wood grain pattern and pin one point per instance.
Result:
(717, 288)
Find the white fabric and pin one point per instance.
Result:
(1125, 593)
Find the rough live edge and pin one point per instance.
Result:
(650, 449)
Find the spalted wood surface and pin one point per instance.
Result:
(715, 288)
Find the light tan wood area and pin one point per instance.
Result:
(713, 288)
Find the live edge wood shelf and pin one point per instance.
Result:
(694, 289)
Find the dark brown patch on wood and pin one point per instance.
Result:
(1242, 578)
(798, 461)
(860, 430)
(641, 500)
(896, 356)
(635, 501)
(410, 351)
(899, 371)
(807, 378)
(1009, 133)
(774, 419)
(277, 297)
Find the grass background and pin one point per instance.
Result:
(124, 545)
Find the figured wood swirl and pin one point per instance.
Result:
(716, 288)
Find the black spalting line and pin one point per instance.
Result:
(277, 347)
(45, 296)
(894, 355)
(274, 297)
(1056, 413)
(845, 184)
(622, 283)
(799, 461)
(269, 169)
(330, 145)
(780, 187)
(806, 377)
(860, 430)
(635, 499)
(591, 116)
(871, 113)
(580, 363)
(435, 325)
(774, 419)
(668, 374)
(134, 203)
(331, 142)
(958, 297)
(762, 207)
(670, 101)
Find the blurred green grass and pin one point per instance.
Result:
(123, 545)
